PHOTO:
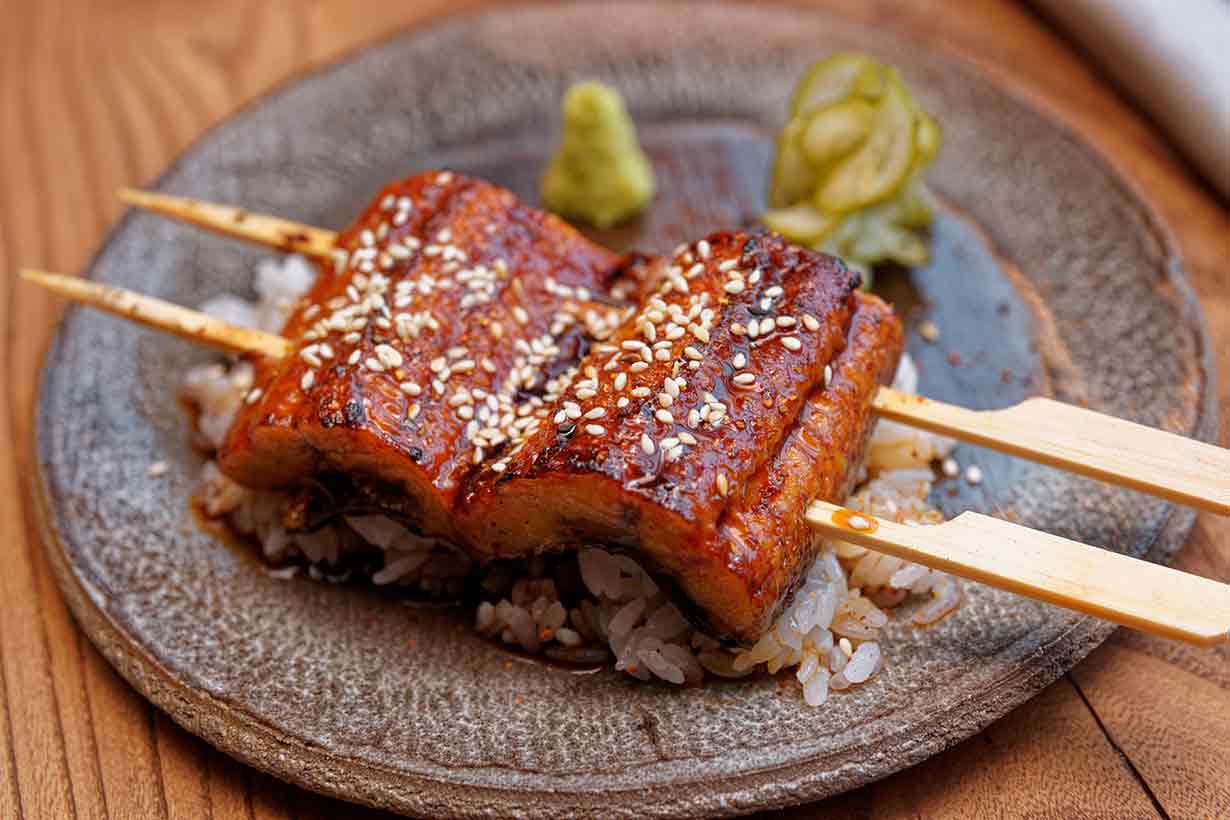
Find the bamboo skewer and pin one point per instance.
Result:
(1072, 438)
(1109, 585)
(165, 316)
(237, 222)
(1034, 564)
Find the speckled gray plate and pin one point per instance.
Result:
(340, 691)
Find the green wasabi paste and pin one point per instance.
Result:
(599, 174)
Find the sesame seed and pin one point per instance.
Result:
(811, 322)
(929, 330)
(950, 467)
(754, 277)
(828, 374)
(672, 387)
(695, 270)
(520, 315)
(354, 357)
(647, 445)
(737, 329)
(973, 474)
(739, 361)
(637, 367)
(700, 332)
(388, 356)
(734, 286)
(723, 486)
(158, 468)
(773, 292)
(745, 379)
(595, 429)
(785, 321)
(374, 365)
(596, 413)
(622, 402)
(702, 248)
(791, 343)
(621, 379)
(846, 647)
(664, 415)
(499, 466)
(641, 392)
(665, 399)
(586, 393)
(253, 396)
(410, 388)
(413, 411)
(859, 523)
(687, 438)
(692, 353)
(728, 265)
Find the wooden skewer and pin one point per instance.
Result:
(1124, 590)
(1082, 441)
(1111, 586)
(237, 222)
(146, 310)
(1061, 435)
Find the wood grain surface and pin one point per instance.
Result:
(96, 96)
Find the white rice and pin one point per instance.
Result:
(829, 633)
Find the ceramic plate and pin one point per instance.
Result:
(1049, 277)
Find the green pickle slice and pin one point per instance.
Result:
(835, 132)
(799, 223)
(882, 164)
(834, 79)
(792, 178)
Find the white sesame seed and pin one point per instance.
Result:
(692, 353)
(728, 265)
(791, 343)
(846, 647)
(354, 357)
(734, 286)
(586, 393)
(665, 399)
(700, 332)
(950, 467)
(664, 415)
(739, 361)
(774, 291)
(622, 402)
(828, 374)
(687, 438)
(520, 315)
(737, 329)
(410, 388)
(388, 356)
(641, 392)
(973, 474)
(672, 387)
(596, 413)
(702, 248)
(785, 321)
(621, 380)
(859, 523)
(499, 466)
(595, 429)
(158, 468)
(811, 322)
(745, 379)
(413, 411)
(723, 486)
(637, 367)
(647, 445)
(253, 396)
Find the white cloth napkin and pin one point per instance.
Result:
(1173, 56)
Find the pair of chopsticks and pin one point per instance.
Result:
(1087, 579)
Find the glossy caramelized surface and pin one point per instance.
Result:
(430, 337)
(457, 363)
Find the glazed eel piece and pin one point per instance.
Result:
(458, 369)
(432, 338)
(694, 437)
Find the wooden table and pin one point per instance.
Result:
(98, 95)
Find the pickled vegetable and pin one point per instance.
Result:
(848, 166)
(599, 174)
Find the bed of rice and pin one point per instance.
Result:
(595, 606)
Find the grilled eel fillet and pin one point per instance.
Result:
(451, 380)
(696, 435)
(433, 336)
